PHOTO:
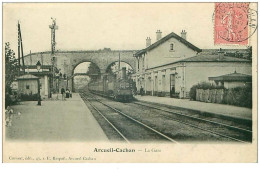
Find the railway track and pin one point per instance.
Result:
(236, 133)
(127, 127)
(233, 132)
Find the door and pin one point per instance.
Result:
(155, 85)
(163, 84)
(172, 85)
(148, 86)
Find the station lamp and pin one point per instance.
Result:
(38, 66)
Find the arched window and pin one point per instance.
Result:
(171, 46)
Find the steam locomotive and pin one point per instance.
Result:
(118, 87)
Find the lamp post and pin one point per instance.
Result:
(38, 66)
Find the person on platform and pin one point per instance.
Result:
(141, 91)
(62, 94)
(8, 116)
(70, 94)
(67, 93)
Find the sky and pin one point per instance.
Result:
(93, 26)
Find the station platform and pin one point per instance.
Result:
(218, 109)
(54, 120)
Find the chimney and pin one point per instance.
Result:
(183, 34)
(158, 35)
(148, 41)
(123, 72)
(220, 54)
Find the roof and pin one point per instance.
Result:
(213, 58)
(27, 77)
(172, 34)
(207, 58)
(42, 73)
(233, 77)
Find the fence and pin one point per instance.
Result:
(240, 96)
(210, 95)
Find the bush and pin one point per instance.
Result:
(192, 92)
(11, 99)
(204, 85)
(239, 96)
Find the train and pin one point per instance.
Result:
(119, 87)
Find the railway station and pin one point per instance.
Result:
(171, 91)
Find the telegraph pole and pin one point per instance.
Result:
(53, 27)
(21, 43)
(20, 47)
(19, 63)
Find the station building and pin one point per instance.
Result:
(29, 86)
(172, 65)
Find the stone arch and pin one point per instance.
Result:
(74, 66)
(108, 65)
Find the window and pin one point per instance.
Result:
(171, 47)
(27, 86)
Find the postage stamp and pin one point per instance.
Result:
(231, 23)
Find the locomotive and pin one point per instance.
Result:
(118, 87)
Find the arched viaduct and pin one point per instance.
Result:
(67, 61)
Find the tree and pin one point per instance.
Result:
(11, 71)
(93, 72)
(249, 51)
(11, 67)
(129, 72)
(111, 70)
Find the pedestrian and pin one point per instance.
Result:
(8, 116)
(135, 88)
(67, 93)
(70, 94)
(141, 91)
(62, 93)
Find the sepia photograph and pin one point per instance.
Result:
(129, 82)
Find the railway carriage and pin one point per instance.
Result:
(119, 87)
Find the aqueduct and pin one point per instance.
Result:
(67, 61)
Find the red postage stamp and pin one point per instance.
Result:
(231, 23)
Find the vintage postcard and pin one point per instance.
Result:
(129, 82)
